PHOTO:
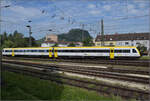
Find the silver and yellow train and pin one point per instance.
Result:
(73, 52)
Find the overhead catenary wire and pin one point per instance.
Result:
(69, 18)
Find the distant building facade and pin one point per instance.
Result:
(48, 44)
(60, 44)
(51, 38)
(129, 39)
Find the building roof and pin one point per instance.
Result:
(123, 37)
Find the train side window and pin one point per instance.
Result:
(126, 51)
(41, 50)
(34, 50)
(8, 50)
(134, 51)
(45, 51)
(118, 51)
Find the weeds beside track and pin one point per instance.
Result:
(99, 87)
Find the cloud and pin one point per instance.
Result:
(142, 5)
(107, 7)
(91, 6)
(95, 12)
(132, 9)
(5, 2)
(28, 12)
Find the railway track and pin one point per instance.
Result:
(85, 71)
(144, 63)
(98, 87)
(109, 69)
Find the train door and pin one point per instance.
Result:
(50, 52)
(111, 53)
(13, 53)
(55, 53)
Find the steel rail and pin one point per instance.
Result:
(83, 71)
(99, 87)
(144, 63)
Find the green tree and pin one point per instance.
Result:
(18, 39)
(88, 42)
(7, 44)
(26, 42)
(10, 37)
(3, 37)
(74, 35)
(55, 45)
(142, 49)
(15, 40)
(71, 45)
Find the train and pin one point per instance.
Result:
(74, 52)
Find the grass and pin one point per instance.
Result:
(20, 87)
(145, 57)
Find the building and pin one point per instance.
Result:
(129, 39)
(60, 44)
(48, 44)
(51, 38)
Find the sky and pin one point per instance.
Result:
(119, 16)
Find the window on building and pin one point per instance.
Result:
(120, 43)
(111, 44)
(126, 43)
(137, 43)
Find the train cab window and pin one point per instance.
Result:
(134, 51)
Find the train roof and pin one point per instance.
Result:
(75, 47)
